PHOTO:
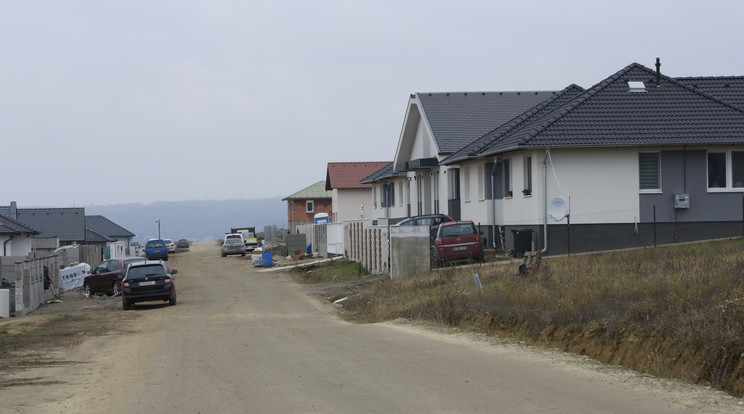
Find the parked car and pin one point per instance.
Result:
(171, 245)
(155, 249)
(431, 220)
(458, 241)
(148, 281)
(182, 244)
(106, 278)
(233, 246)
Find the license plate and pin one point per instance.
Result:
(148, 283)
(459, 248)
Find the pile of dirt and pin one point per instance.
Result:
(634, 349)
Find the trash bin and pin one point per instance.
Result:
(522, 241)
(268, 261)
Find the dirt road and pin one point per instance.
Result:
(245, 341)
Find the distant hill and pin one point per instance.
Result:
(194, 220)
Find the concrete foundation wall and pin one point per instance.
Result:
(410, 251)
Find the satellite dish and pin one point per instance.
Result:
(557, 209)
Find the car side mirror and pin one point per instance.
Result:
(174, 271)
(120, 276)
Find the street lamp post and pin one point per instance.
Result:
(158, 221)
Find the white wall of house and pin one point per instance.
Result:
(588, 176)
(347, 203)
(20, 245)
(602, 183)
(474, 205)
(423, 143)
(398, 209)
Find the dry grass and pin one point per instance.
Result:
(689, 299)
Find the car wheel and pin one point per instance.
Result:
(125, 304)
(86, 289)
(172, 301)
(242, 254)
(224, 255)
(117, 288)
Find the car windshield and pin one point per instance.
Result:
(155, 244)
(457, 230)
(142, 271)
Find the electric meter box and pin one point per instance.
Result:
(681, 201)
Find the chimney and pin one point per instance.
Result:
(13, 211)
(658, 72)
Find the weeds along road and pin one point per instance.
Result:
(244, 341)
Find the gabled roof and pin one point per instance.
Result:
(727, 88)
(94, 236)
(610, 114)
(383, 173)
(11, 226)
(106, 227)
(457, 118)
(546, 106)
(347, 175)
(312, 192)
(68, 224)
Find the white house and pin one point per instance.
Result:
(637, 159)
(351, 199)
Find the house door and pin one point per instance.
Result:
(453, 193)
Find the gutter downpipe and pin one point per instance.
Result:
(493, 204)
(545, 201)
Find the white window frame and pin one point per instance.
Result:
(311, 205)
(729, 173)
(508, 187)
(527, 166)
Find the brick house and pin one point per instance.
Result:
(303, 205)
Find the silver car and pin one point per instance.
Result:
(233, 246)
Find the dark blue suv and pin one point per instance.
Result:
(156, 249)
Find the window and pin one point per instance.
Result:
(507, 177)
(725, 170)
(488, 177)
(309, 206)
(527, 175)
(648, 171)
(453, 184)
(400, 196)
(374, 197)
(481, 183)
(466, 184)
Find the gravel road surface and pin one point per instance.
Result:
(245, 341)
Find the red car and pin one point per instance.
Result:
(458, 241)
(107, 276)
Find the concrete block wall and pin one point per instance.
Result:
(410, 251)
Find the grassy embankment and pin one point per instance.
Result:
(671, 311)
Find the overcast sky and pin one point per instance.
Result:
(108, 102)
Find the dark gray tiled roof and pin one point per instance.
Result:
(92, 236)
(382, 174)
(727, 88)
(475, 148)
(10, 226)
(106, 227)
(457, 118)
(608, 114)
(66, 223)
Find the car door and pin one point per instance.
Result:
(105, 280)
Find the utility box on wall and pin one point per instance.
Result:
(681, 201)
